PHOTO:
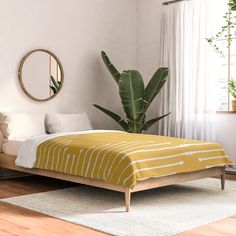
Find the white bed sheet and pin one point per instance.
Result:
(12, 147)
(27, 153)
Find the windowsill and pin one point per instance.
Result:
(226, 112)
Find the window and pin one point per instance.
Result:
(226, 71)
(226, 66)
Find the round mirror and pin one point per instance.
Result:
(41, 75)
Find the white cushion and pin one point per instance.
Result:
(56, 123)
(21, 126)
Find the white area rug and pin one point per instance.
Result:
(160, 212)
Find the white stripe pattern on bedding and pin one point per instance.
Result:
(123, 158)
(180, 163)
(168, 157)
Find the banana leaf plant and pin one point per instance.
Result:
(55, 85)
(135, 97)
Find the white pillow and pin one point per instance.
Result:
(21, 126)
(56, 123)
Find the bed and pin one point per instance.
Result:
(119, 161)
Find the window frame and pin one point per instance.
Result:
(229, 110)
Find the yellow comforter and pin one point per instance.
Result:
(124, 159)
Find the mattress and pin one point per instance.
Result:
(121, 158)
(12, 147)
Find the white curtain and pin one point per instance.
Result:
(190, 92)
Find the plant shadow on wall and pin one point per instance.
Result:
(135, 98)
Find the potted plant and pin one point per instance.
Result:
(135, 97)
(226, 30)
(232, 90)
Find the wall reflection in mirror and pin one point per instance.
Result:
(41, 75)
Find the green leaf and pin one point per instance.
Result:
(114, 72)
(150, 123)
(114, 116)
(53, 89)
(154, 86)
(232, 88)
(233, 7)
(131, 89)
(54, 82)
(209, 40)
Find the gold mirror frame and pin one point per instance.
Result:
(21, 78)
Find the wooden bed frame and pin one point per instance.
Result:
(8, 162)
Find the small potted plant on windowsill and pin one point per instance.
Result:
(232, 90)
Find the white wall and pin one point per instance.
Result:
(149, 51)
(149, 36)
(226, 133)
(149, 43)
(76, 31)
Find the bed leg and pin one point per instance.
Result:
(127, 199)
(223, 181)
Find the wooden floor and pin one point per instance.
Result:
(17, 221)
(22, 222)
(29, 185)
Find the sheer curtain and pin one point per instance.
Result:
(190, 93)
